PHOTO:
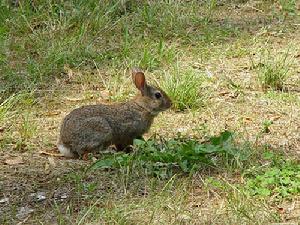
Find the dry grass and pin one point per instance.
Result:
(233, 100)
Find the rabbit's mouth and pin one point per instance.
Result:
(167, 104)
(162, 108)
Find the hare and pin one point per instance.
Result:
(93, 128)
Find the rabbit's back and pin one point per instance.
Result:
(96, 126)
(122, 118)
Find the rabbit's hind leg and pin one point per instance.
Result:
(125, 146)
(95, 136)
(65, 151)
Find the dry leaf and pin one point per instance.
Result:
(14, 161)
(105, 94)
(52, 113)
(222, 93)
(52, 153)
(52, 127)
(281, 210)
(51, 161)
(47, 168)
(274, 118)
(74, 99)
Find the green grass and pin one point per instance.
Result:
(162, 157)
(45, 36)
(20, 132)
(210, 6)
(184, 88)
(288, 6)
(270, 175)
(279, 179)
(15, 102)
(58, 55)
(240, 206)
(288, 97)
(146, 210)
(27, 130)
(155, 161)
(273, 69)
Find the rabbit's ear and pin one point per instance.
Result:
(139, 80)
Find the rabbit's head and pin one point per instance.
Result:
(152, 99)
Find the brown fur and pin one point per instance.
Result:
(95, 127)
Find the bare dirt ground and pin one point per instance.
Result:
(38, 188)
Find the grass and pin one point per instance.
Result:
(279, 179)
(78, 35)
(241, 207)
(164, 159)
(160, 157)
(273, 71)
(18, 100)
(184, 87)
(59, 55)
(288, 7)
(155, 203)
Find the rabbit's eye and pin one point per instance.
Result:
(157, 95)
